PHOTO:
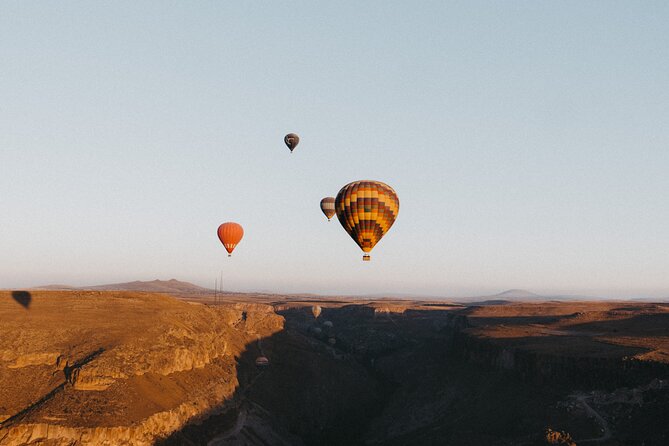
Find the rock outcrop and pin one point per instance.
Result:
(118, 368)
(114, 368)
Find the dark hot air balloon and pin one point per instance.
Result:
(291, 140)
(367, 210)
(328, 207)
(230, 234)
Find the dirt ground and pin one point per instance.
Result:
(135, 368)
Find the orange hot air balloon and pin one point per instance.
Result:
(291, 140)
(367, 210)
(328, 207)
(230, 234)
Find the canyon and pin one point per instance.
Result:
(113, 367)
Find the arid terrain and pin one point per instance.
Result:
(178, 367)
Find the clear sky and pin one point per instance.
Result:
(528, 142)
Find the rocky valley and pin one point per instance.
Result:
(80, 367)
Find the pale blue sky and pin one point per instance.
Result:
(528, 143)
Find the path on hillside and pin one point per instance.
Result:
(235, 430)
(241, 405)
(606, 430)
(70, 374)
(262, 352)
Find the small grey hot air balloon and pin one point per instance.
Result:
(291, 140)
(328, 207)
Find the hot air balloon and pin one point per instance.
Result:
(328, 207)
(262, 361)
(316, 311)
(230, 234)
(367, 210)
(291, 140)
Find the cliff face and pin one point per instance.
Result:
(600, 345)
(114, 368)
(118, 368)
(450, 377)
(578, 371)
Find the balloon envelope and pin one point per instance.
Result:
(367, 209)
(328, 207)
(230, 235)
(291, 140)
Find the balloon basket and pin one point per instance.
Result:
(366, 258)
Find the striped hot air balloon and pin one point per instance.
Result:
(367, 209)
(230, 234)
(328, 207)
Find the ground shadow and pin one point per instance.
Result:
(641, 325)
(355, 375)
(309, 394)
(23, 298)
(70, 373)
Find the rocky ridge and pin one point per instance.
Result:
(149, 362)
(135, 368)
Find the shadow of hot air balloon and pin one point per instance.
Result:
(23, 298)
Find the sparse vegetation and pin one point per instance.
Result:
(560, 438)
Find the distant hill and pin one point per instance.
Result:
(55, 287)
(397, 296)
(517, 295)
(652, 299)
(490, 302)
(504, 297)
(154, 286)
(174, 286)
